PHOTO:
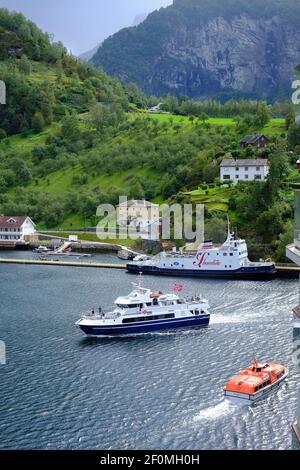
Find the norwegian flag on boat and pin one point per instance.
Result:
(178, 288)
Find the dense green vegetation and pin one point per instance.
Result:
(43, 82)
(141, 157)
(274, 127)
(183, 106)
(68, 143)
(75, 167)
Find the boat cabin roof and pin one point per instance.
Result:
(255, 376)
(141, 296)
(244, 384)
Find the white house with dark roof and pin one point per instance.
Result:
(244, 170)
(16, 229)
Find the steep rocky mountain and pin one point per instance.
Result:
(205, 48)
(88, 55)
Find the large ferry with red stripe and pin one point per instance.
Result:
(229, 260)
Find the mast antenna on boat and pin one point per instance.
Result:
(228, 226)
(140, 278)
(255, 363)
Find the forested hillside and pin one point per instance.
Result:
(43, 82)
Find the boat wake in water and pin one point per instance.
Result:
(222, 409)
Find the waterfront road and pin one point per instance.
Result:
(50, 262)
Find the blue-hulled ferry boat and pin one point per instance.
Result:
(144, 311)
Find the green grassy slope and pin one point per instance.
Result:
(274, 127)
(141, 144)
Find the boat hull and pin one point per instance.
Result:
(142, 328)
(251, 399)
(263, 273)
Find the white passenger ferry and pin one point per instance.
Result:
(144, 311)
(229, 260)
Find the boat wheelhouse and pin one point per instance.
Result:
(144, 311)
(255, 382)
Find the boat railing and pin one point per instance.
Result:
(193, 299)
(92, 315)
(180, 255)
(99, 314)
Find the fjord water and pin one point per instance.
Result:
(61, 390)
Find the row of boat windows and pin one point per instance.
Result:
(9, 237)
(268, 382)
(224, 254)
(164, 303)
(147, 318)
(231, 254)
(229, 266)
(261, 386)
(149, 304)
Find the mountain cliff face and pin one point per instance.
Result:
(87, 56)
(209, 48)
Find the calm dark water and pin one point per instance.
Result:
(60, 390)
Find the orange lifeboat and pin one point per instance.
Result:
(255, 382)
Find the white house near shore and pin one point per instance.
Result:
(16, 229)
(244, 170)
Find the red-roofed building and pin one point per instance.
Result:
(16, 229)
